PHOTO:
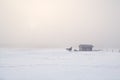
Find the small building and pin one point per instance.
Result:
(85, 47)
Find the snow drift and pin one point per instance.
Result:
(58, 64)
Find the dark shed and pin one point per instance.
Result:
(85, 47)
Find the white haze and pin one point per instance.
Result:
(59, 23)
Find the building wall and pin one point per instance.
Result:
(85, 49)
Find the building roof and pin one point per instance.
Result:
(86, 45)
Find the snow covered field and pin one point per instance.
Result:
(58, 64)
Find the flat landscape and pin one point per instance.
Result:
(58, 64)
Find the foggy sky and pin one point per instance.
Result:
(59, 23)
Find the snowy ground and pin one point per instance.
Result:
(35, 64)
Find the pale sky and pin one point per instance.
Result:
(59, 23)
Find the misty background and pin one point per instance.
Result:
(59, 23)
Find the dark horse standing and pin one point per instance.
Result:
(69, 49)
